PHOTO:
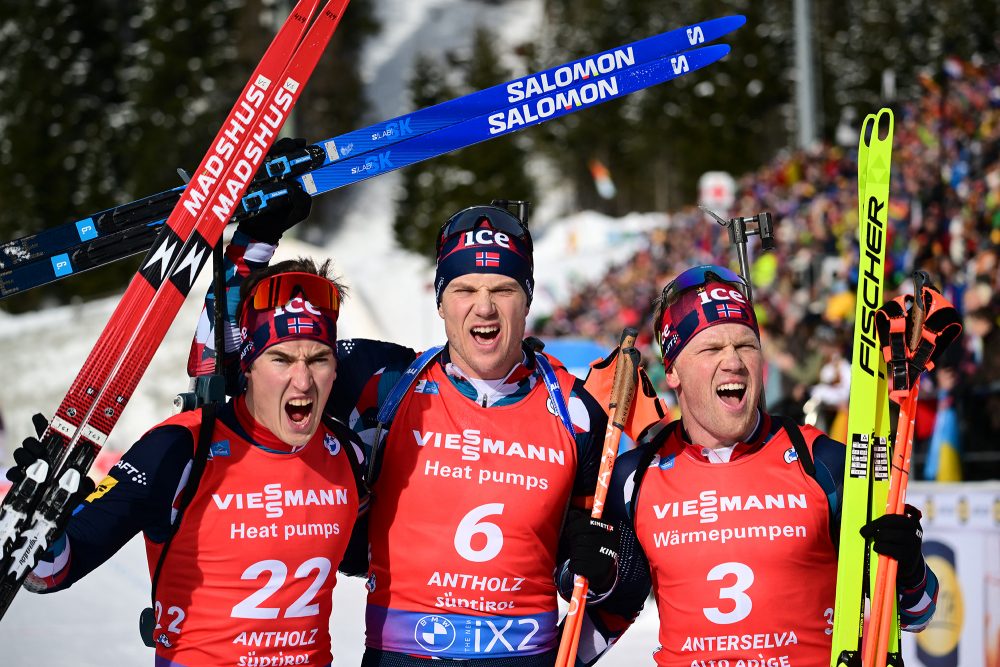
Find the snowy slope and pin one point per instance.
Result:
(411, 27)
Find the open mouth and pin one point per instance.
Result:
(732, 393)
(299, 410)
(486, 334)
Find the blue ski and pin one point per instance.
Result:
(429, 119)
(535, 101)
(153, 210)
(529, 111)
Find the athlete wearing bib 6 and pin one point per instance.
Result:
(252, 556)
(484, 461)
(723, 515)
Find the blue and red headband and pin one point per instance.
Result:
(484, 239)
(698, 299)
(285, 307)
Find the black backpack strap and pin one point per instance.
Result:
(147, 619)
(356, 458)
(799, 443)
(387, 412)
(649, 445)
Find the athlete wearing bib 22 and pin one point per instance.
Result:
(251, 561)
(731, 515)
(484, 470)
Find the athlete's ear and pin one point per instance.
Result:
(440, 311)
(672, 378)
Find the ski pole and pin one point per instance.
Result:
(885, 588)
(876, 643)
(619, 406)
(738, 233)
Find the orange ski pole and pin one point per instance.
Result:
(619, 406)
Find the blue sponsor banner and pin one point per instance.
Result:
(576, 354)
(460, 636)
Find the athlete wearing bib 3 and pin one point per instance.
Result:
(251, 555)
(484, 458)
(731, 515)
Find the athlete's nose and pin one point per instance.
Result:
(302, 378)
(484, 302)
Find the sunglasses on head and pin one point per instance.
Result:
(277, 290)
(494, 216)
(701, 275)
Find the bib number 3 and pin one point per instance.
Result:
(742, 604)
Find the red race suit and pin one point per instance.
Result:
(249, 573)
(465, 521)
(251, 570)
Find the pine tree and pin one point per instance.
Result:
(657, 142)
(494, 170)
(101, 101)
(859, 41)
(63, 109)
(418, 212)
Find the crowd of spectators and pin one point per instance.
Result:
(944, 218)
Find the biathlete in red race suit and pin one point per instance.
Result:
(486, 466)
(736, 539)
(492, 484)
(253, 559)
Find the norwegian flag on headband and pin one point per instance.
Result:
(301, 325)
(487, 259)
(697, 309)
(725, 310)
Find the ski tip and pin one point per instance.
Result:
(734, 20)
(737, 20)
(723, 24)
(712, 52)
(703, 32)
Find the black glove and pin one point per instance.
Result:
(281, 214)
(899, 536)
(31, 450)
(592, 547)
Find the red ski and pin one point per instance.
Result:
(36, 509)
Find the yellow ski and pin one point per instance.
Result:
(866, 469)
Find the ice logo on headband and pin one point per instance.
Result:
(721, 294)
(479, 237)
(297, 305)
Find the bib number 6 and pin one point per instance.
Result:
(472, 524)
(742, 604)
